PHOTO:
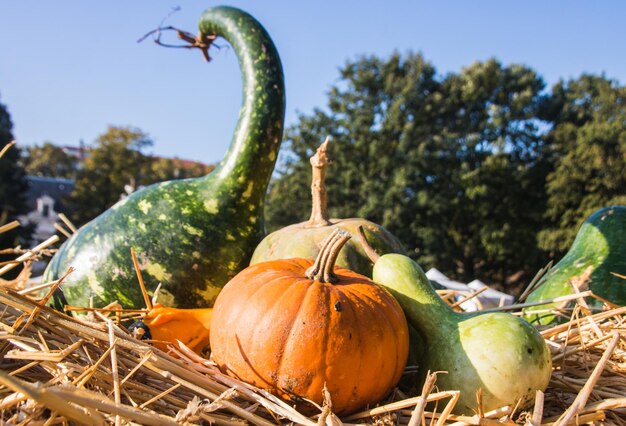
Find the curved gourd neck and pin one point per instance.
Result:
(408, 283)
(248, 164)
(431, 313)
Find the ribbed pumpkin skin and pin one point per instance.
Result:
(279, 330)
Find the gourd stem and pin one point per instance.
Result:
(369, 250)
(248, 164)
(322, 269)
(319, 164)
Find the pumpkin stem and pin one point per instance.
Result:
(319, 164)
(369, 250)
(323, 268)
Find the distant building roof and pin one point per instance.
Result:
(56, 188)
(79, 152)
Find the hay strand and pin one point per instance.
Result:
(469, 297)
(88, 369)
(9, 226)
(67, 223)
(50, 400)
(62, 230)
(538, 409)
(142, 285)
(582, 397)
(29, 254)
(533, 283)
(6, 148)
(418, 412)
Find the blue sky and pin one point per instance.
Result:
(68, 69)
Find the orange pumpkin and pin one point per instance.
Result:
(293, 326)
(190, 326)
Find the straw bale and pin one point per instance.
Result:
(56, 368)
(88, 369)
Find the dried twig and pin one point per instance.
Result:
(202, 41)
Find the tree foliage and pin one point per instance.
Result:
(13, 186)
(50, 160)
(13, 183)
(450, 164)
(588, 141)
(116, 165)
(174, 168)
(114, 162)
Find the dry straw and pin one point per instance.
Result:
(59, 370)
(87, 369)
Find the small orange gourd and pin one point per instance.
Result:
(167, 325)
(293, 326)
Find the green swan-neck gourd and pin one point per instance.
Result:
(501, 354)
(191, 235)
(597, 259)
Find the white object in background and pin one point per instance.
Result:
(491, 298)
(435, 275)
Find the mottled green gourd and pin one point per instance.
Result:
(304, 239)
(596, 260)
(191, 235)
(499, 353)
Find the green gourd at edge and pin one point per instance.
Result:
(305, 239)
(596, 259)
(497, 352)
(190, 235)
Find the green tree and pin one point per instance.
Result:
(114, 162)
(162, 169)
(588, 138)
(373, 116)
(50, 160)
(116, 165)
(13, 186)
(499, 175)
(451, 165)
